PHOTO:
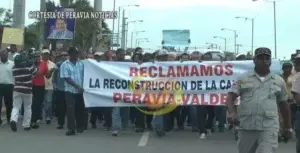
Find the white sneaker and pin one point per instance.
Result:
(202, 136)
(39, 121)
(209, 133)
(115, 133)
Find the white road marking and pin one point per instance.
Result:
(144, 139)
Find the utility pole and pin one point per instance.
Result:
(42, 24)
(131, 39)
(235, 45)
(97, 37)
(275, 31)
(252, 40)
(19, 13)
(113, 28)
(119, 17)
(234, 37)
(126, 36)
(238, 47)
(123, 39)
(252, 31)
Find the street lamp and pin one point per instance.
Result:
(136, 34)
(119, 16)
(135, 37)
(134, 21)
(225, 40)
(142, 41)
(234, 37)
(275, 29)
(212, 45)
(238, 47)
(252, 21)
(126, 30)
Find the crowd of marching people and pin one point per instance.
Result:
(52, 87)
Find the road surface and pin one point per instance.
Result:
(48, 139)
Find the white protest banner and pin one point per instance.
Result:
(117, 84)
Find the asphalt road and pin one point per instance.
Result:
(48, 139)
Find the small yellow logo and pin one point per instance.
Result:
(160, 101)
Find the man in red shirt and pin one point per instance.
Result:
(38, 91)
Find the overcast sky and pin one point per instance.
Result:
(205, 18)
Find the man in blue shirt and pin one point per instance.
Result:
(72, 72)
(59, 91)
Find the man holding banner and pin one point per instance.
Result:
(158, 120)
(72, 72)
(120, 116)
(261, 93)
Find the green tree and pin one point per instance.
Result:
(32, 31)
(31, 36)
(5, 20)
(6, 17)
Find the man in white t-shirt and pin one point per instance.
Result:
(48, 87)
(6, 84)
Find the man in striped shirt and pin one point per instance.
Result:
(22, 94)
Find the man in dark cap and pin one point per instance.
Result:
(72, 72)
(261, 93)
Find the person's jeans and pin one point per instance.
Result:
(6, 93)
(158, 122)
(61, 108)
(125, 111)
(201, 117)
(297, 129)
(139, 118)
(184, 112)
(38, 93)
(220, 115)
(293, 108)
(210, 110)
(19, 99)
(194, 117)
(107, 114)
(75, 111)
(120, 117)
(48, 104)
(95, 114)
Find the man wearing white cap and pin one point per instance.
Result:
(47, 110)
(98, 56)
